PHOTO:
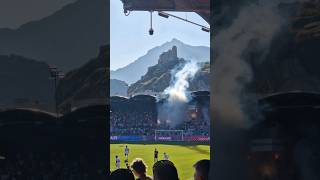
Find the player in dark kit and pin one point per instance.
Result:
(155, 155)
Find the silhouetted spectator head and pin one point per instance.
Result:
(202, 168)
(165, 170)
(139, 168)
(122, 174)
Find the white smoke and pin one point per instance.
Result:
(205, 114)
(179, 83)
(256, 23)
(172, 111)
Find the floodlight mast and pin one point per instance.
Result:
(56, 74)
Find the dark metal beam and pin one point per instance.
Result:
(201, 7)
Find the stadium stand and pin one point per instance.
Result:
(289, 131)
(138, 116)
(135, 116)
(37, 145)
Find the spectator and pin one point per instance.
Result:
(49, 166)
(202, 168)
(126, 121)
(165, 170)
(139, 169)
(122, 174)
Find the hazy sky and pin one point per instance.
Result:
(129, 38)
(14, 13)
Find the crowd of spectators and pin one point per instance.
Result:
(55, 165)
(37, 146)
(132, 123)
(196, 127)
(162, 170)
(144, 123)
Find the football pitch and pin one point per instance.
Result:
(183, 156)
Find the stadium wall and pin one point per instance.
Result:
(162, 142)
(205, 139)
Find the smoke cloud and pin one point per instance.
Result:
(256, 24)
(205, 114)
(179, 83)
(173, 109)
(252, 30)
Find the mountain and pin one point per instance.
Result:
(67, 38)
(158, 77)
(118, 87)
(24, 80)
(87, 83)
(133, 72)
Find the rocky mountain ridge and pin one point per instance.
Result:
(87, 83)
(158, 77)
(133, 72)
(24, 79)
(66, 39)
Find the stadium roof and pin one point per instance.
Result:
(86, 113)
(201, 7)
(118, 98)
(200, 93)
(288, 114)
(291, 99)
(143, 97)
(14, 116)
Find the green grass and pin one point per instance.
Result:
(183, 156)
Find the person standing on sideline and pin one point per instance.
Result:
(165, 156)
(155, 155)
(117, 162)
(126, 152)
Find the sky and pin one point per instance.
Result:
(14, 13)
(129, 37)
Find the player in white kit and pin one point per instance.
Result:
(117, 162)
(126, 152)
(165, 156)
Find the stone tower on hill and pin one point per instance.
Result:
(168, 56)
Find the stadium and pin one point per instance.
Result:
(285, 140)
(135, 122)
(175, 124)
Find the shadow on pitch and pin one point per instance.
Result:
(199, 150)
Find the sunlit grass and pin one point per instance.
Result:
(183, 156)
